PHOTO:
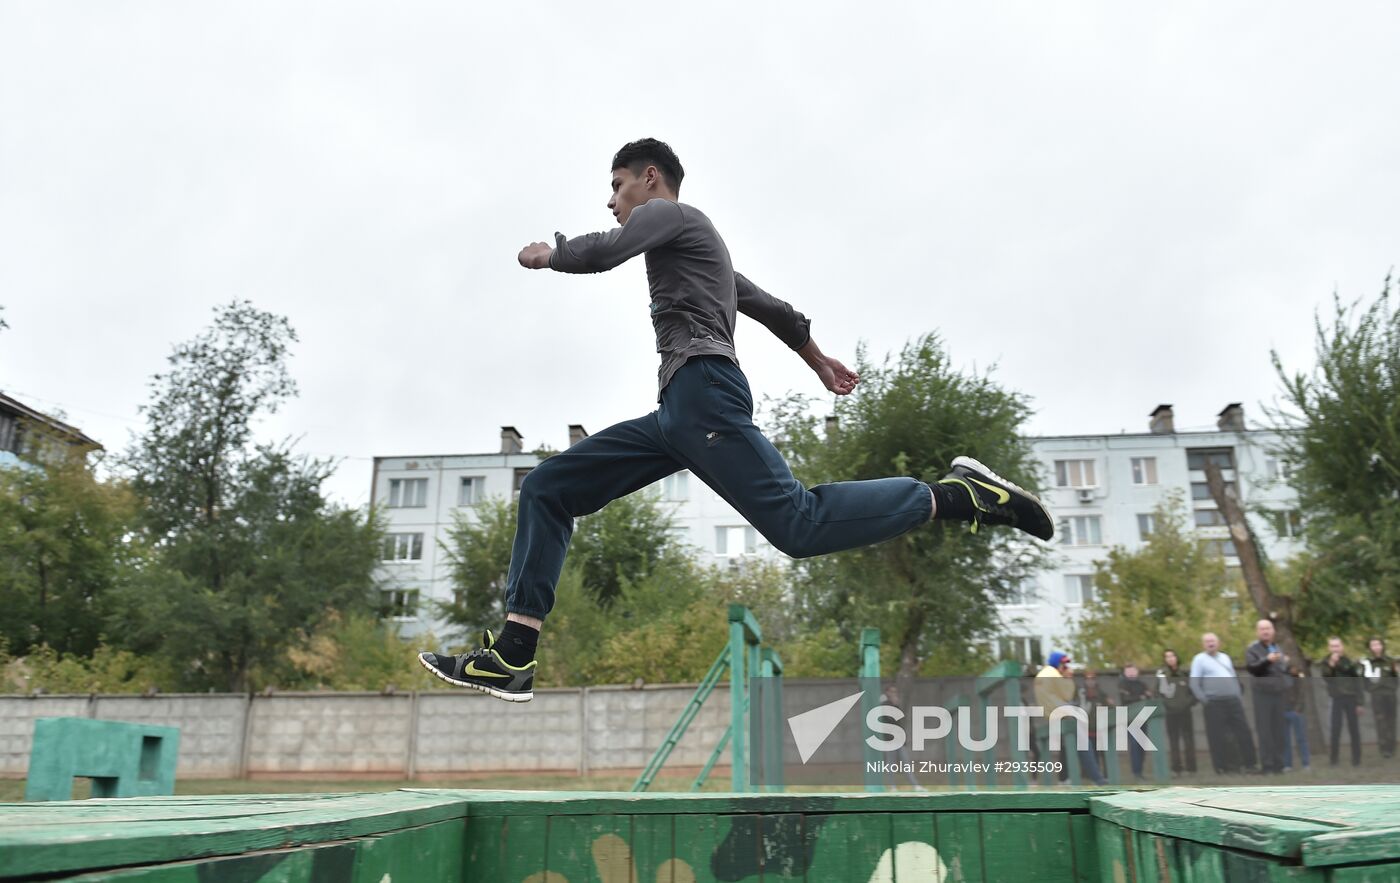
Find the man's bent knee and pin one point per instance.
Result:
(545, 484)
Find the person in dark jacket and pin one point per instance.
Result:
(1381, 682)
(1174, 686)
(1344, 686)
(1269, 666)
(1131, 689)
(1295, 729)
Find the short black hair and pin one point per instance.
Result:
(637, 155)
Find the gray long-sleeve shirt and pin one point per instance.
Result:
(1213, 677)
(694, 289)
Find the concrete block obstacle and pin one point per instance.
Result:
(123, 760)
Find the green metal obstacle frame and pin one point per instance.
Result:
(743, 652)
(1192, 835)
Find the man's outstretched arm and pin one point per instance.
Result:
(795, 330)
(649, 226)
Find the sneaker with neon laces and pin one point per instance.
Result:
(483, 669)
(998, 501)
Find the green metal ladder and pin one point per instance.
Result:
(743, 653)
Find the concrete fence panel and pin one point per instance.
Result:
(542, 734)
(17, 716)
(330, 732)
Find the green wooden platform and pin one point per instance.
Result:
(1339, 835)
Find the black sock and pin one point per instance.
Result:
(954, 501)
(517, 643)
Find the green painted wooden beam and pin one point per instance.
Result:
(74, 835)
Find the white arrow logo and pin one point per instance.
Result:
(811, 728)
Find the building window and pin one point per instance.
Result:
(676, 487)
(1277, 468)
(519, 480)
(399, 603)
(1079, 588)
(1075, 473)
(9, 432)
(1198, 458)
(1081, 530)
(1209, 518)
(1223, 548)
(470, 491)
(403, 547)
(731, 542)
(1144, 470)
(1021, 648)
(1147, 525)
(408, 493)
(1200, 490)
(1288, 523)
(1023, 594)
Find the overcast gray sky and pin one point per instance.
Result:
(1118, 204)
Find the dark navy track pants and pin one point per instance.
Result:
(704, 424)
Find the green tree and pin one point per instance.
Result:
(478, 549)
(250, 551)
(624, 541)
(65, 545)
(1340, 428)
(935, 588)
(628, 539)
(1165, 594)
(105, 670)
(359, 651)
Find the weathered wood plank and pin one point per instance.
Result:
(782, 847)
(960, 845)
(615, 803)
(711, 848)
(1355, 846)
(432, 852)
(1385, 873)
(172, 833)
(589, 849)
(916, 858)
(654, 848)
(1176, 814)
(1111, 842)
(1085, 848)
(849, 846)
(1020, 845)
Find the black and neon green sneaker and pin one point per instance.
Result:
(484, 670)
(997, 501)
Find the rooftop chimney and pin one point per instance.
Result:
(1231, 419)
(576, 434)
(833, 423)
(1162, 421)
(512, 442)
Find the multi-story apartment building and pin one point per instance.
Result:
(1102, 489)
(28, 436)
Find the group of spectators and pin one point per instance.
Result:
(1280, 695)
(1279, 687)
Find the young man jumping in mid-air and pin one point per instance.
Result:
(704, 424)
